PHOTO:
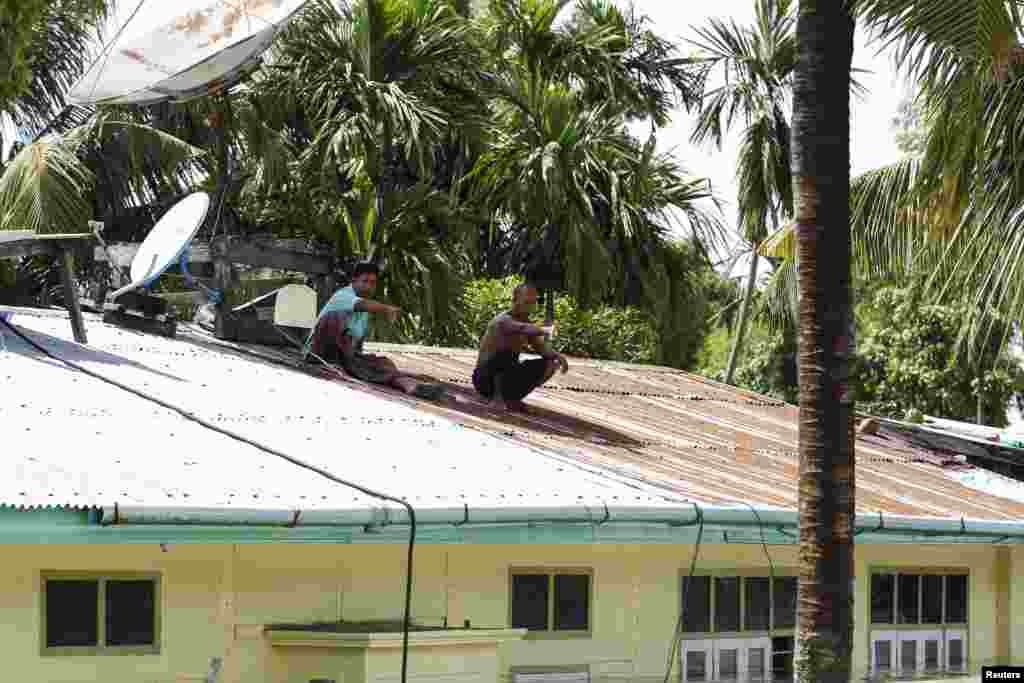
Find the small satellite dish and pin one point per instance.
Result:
(167, 241)
(157, 50)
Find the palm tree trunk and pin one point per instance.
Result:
(821, 184)
(741, 326)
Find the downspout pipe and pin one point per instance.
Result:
(677, 515)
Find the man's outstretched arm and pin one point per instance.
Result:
(371, 306)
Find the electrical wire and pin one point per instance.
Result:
(764, 543)
(678, 633)
(406, 621)
(105, 53)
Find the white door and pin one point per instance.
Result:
(697, 659)
(884, 652)
(955, 652)
(756, 660)
(920, 652)
(729, 660)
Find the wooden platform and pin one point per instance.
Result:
(22, 243)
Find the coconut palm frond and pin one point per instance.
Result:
(46, 188)
(57, 56)
(935, 40)
(779, 305)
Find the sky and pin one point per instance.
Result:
(872, 140)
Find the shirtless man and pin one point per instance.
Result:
(499, 375)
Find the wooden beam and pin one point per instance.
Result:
(261, 254)
(40, 245)
(26, 248)
(123, 253)
(268, 256)
(71, 296)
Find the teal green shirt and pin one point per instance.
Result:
(344, 301)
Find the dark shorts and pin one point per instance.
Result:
(332, 342)
(517, 379)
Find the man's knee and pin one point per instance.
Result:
(550, 369)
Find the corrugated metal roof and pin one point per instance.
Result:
(680, 431)
(69, 439)
(604, 432)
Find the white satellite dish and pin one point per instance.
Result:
(160, 50)
(167, 241)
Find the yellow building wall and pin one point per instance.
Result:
(1016, 605)
(216, 600)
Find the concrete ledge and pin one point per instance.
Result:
(417, 639)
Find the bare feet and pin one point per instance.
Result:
(498, 404)
(517, 406)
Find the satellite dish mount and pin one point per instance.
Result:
(168, 244)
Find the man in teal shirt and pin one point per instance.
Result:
(342, 327)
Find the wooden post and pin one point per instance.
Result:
(222, 281)
(329, 284)
(71, 295)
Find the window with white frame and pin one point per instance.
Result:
(919, 621)
(738, 627)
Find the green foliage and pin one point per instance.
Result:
(7, 274)
(713, 357)
(606, 333)
(910, 360)
(24, 26)
(909, 128)
(770, 367)
(18, 19)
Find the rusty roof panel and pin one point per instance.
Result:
(681, 432)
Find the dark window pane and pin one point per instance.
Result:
(530, 601)
(882, 598)
(785, 601)
(757, 664)
(697, 666)
(757, 608)
(908, 655)
(572, 602)
(728, 663)
(931, 655)
(72, 613)
(909, 598)
(697, 608)
(131, 613)
(883, 654)
(956, 599)
(956, 654)
(782, 658)
(931, 599)
(727, 604)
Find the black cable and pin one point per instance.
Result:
(764, 543)
(677, 635)
(105, 52)
(406, 623)
(689, 582)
